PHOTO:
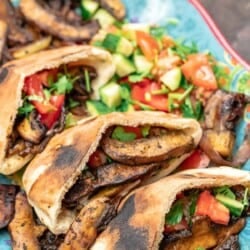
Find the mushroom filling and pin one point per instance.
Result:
(127, 154)
(52, 100)
(206, 219)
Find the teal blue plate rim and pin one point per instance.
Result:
(190, 21)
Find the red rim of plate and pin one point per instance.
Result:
(217, 33)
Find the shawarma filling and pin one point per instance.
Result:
(126, 154)
(51, 100)
(206, 219)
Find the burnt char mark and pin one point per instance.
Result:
(130, 237)
(3, 74)
(66, 156)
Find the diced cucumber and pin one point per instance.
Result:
(172, 78)
(123, 65)
(129, 29)
(118, 44)
(235, 207)
(104, 18)
(95, 107)
(88, 7)
(142, 64)
(111, 94)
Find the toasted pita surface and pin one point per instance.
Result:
(12, 77)
(51, 173)
(140, 221)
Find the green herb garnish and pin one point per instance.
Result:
(184, 50)
(175, 215)
(26, 109)
(87, 80)
(121, 135)
(63, 85)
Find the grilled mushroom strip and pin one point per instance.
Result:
(31, 129)
(84, 230)
(206, 235)
(23, 229)
(148, 150)
(222, 112)
(53, 25)
(7, 203)
(108, 175)
(115, 7)
(3, 35)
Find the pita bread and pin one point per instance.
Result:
(12, 77)
(51, 174)
(141, 217)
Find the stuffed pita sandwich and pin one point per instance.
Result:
(39, 93)
(101, 156)
(193, 209)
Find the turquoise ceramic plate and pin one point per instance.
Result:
(187, 20)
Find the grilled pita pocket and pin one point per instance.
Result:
(12, 77)
(53, 173)
(140, 221)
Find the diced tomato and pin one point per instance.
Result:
(50, 117)
(135, 130)
(147, 44)
(57, 100)
(47, 75)
(44, 107)
(198, 71)
(177, 227)
(97, 159)
(197, 159)
(143, 90)
(33, 86)
(207, 205)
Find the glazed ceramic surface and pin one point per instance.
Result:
(188, 21)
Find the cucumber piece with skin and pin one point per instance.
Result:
(118, 44)
(123, 65)
(172, 78)
(111, 94)
(142, 64)
(235, 207)
(88, 8)
(104, 18)
(129, 30)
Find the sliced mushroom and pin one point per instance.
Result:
(31, 129)
(148, 150)
(3, 35)
(115, 7)
(16, 33)
(84, 230)
(108, 175)
(53, 25)
(7, 203)
(23, 230)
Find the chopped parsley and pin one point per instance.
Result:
(63, 85)
(184, 50)
(26, 109)
(175, 214)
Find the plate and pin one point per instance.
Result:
(187, 20)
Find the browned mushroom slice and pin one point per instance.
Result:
(53, 25)
(31, 129)
(7, 203)
(16, 33)
(23, 230)
(84, 230)
(115, 7)
(108, 175)
(148, 150)
(3, 34)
